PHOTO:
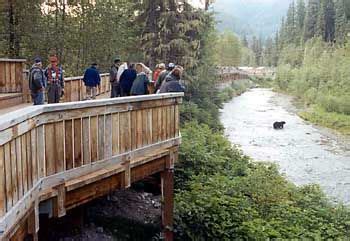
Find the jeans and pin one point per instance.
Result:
(38, 98)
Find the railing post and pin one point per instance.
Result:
(167, 186)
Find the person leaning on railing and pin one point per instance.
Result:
(172, 82)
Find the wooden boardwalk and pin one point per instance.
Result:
(64, 155)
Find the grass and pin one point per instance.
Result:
(336, 121)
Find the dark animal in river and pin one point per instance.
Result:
(279, 125)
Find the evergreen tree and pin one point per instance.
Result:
(300, 20)
(329, 14)
(340, 22)
(291, 24)
(311, 19)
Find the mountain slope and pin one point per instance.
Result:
(251, 17)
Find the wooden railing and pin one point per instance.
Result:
(42, 147)
(76, 91)
(11, 75)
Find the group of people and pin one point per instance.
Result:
(126, 79)
(50, 79)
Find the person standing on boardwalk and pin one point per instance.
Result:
(140, 84)
(37, 82)
(127, 79)
(113, 78)
(54, 75)
(92, 80)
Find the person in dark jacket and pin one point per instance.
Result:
(113, 78)
(127, 80)
(139, 87)
(172, 82)
(91, 80)
(37, 82)
(163, 75)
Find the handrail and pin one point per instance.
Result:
(44, 146)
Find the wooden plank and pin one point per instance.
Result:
(35, 165)
(68, 144)
(115, 134)
(101, 137)
(2, 78)
(2, 183)
(86, 141)
(19, 77)
(169, 120)
(125, 144)
(50, 149)
(78, 159)
(155, 125)
(177, 121)
(59, 140)
(8, 172)
(40, 149)
(94, 138)
(13, 77)
(108, 136)
(19, 167)
(139, 128)
(144, 127)
(24, 163)
(133, 130)
(164, 123)
(29, 161)
(172, 121)
(149, 127)
(14, 171)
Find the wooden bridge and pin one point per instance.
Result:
(64, 155)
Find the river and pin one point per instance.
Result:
(305, 153)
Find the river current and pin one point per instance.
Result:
(305, 153)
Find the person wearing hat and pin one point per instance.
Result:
(163, 75)
(92, 80)
(55, 81)
(113, 78)
(37, 82)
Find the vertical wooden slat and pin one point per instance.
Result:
(116, 134)
(8, 172)
(101, 137)
(69, 154)
(139, 129)
(108, 138)
(94, 138)
(172, 121)
(169, 120)
(35, 165)
(164, 123)
(59, 145)
(133, 130)
(19, 167)
(24, 163)
(86, 141)
(78, 161)
(155, 126)
(2, 183)
(2, 78)
(125, 132)
(13, 77)
(29, 161)
(14, 171)
(40, 149)
(50, 149)
(177, 121)
(149, 127)
(144, 127)
(159, 123)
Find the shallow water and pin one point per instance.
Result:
(305, 153)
